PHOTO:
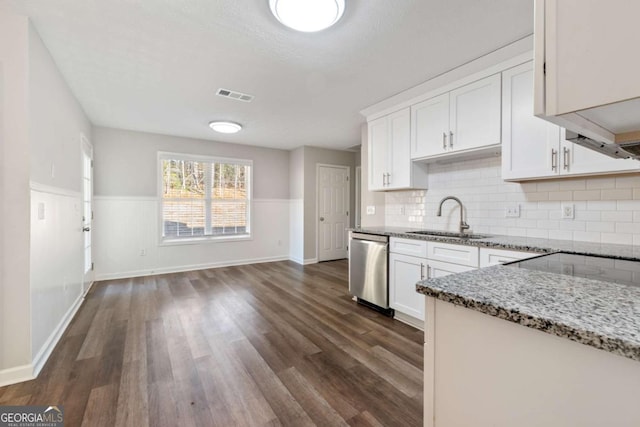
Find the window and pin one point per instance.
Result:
(204, 197)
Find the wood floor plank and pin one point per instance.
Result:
(273, 344)
(318, 409)
(100, 407)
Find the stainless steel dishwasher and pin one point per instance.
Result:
(368, 271)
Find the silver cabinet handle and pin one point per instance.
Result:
(388, 179)
(421, 271)
(554, 159)
(384, 179)
(450, 139)
(321, 218)
(444, 140)
(565, 158)
(428, 272)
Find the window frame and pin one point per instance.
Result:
(172, 241)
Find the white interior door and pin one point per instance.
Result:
(333, 211)
(87, 212)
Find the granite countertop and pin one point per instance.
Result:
(516, 243)
(600, 314)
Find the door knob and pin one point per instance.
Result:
(321, 218)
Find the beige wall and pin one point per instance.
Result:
(312, 157)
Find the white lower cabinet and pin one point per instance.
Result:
(490, 256)
(441, 269)
(404, 272)
(412, 260)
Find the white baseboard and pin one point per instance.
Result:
(181, 268)
(409, 320)
(310, 261)
(43, 355)
(16, 375)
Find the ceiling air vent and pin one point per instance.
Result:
(238, 96)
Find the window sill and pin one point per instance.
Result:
(204, 240)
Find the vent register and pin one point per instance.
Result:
(231, 94)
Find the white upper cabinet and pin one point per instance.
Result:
(586, 71)
(475, 115)
(430, 132)
(462, 120)
(533, 148)
(390, 154)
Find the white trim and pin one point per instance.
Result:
(42, 188)
(192, 267)
(126, 198)
(317, 228)
(409, 320)
(45, 351)
(304, 261)
(16, 375)
(434, 87)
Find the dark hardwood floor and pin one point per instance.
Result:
(264, 344)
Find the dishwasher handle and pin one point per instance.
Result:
(370, 237)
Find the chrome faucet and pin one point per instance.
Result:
(463, 225)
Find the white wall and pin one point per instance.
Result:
(607, 209)
(56, 121)
(41, 259)
(126, 206)
(15, 331)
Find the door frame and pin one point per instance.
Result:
(87, 276)
(317, 222)
(357, 208)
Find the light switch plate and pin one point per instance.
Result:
(512, 211)
(371, 210)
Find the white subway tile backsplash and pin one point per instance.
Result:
(617, 238)
(586, 195)
(607, 209)
(617, 194)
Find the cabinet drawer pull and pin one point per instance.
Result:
(450, 139)
(388, 179)
(444, 140)
(554, 159)
(565, 158)
(421, 271)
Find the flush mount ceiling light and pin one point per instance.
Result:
(307, 15)
(225, 127)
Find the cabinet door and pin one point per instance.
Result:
(399, 150)
(441, 269)
(579, 160)
(475, 114)
(430, 127)
(378, 153)
(529, 145)
(404, 272)
(491, 256)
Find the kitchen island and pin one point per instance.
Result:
(506, 346)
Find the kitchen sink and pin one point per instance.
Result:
(449, 234)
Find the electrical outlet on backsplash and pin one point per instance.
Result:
(606, 208)
(405, 208)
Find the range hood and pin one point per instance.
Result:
(622, 150)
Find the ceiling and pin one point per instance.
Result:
(155, 66)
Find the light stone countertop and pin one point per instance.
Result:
(600, 314)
